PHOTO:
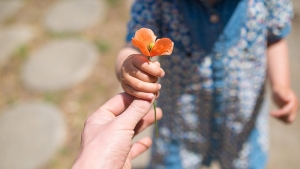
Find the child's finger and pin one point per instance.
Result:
(142, 95)
(156, 63)
(149, 67)
(294, 111)
(285, 110)
(292, 117)
(288, 118)
(157, 94)
(139, 74)
(140, 85)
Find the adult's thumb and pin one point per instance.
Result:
(135, 112)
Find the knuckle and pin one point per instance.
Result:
(124, 72)
(123, 85)
(127, 90)
(143, 76)
(123, 80)
(139, 85)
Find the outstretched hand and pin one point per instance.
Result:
(107, 134)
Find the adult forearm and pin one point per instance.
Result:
(122, 55)
(277, 65)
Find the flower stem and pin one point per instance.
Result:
(154, 107)
(156, 125)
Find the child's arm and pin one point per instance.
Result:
(278, 71)
(137, 75)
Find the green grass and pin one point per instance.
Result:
(86, 98)
(10, 101)
(22, 52)
(103, 46)
(52, 98)
(113, 3)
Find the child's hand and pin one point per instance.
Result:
(287, 101)
(139, 76)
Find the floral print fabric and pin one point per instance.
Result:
(213, 92)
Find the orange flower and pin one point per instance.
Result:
(144, 39)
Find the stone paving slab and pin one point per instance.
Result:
(74, 15)
(11, 38)
(30, 135)
(59, 65)
(8, 8)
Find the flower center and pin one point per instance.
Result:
(150, 46)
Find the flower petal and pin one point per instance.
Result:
(143, 48)
(162, 46)
(145, 36)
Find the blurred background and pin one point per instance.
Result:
(57, 66)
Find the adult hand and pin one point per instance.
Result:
(107, 134)
(288, 105)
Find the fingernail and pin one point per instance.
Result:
(162, 74)
(159, 86)
(151, 96)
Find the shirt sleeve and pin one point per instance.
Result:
(144, 13)
(279, 19)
